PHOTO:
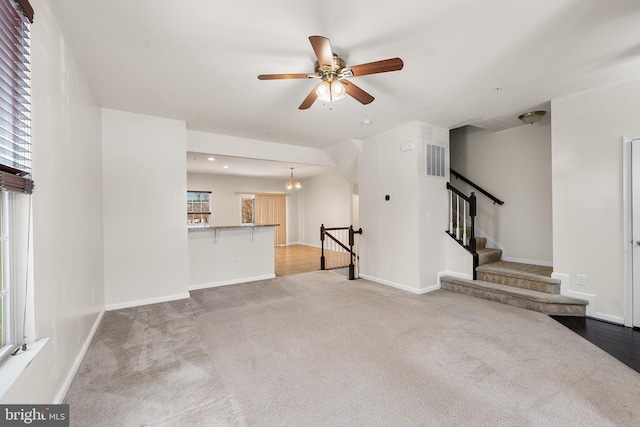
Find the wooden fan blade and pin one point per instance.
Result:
(357, 93)
(386, 65)
(285, 76)
(322, 48)
(309, 100)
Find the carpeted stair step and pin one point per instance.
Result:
(486, 255)
(519, 275)
(481, 243)
(552, 304)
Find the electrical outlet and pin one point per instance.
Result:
(235, 261)
(429, 215)
(581, 279)
(390, 263)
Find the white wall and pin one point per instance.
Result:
(68, 287)
(399, 245)
(345, 156)
(433, 205)
(144, 185)
(515, 166)
(225, 204)
(587, 190)
(325, 199)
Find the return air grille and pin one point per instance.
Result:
(434, 159)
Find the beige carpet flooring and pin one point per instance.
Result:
(316, 349)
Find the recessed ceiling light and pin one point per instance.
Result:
(211, 159)
(366, 122)
(225, 167)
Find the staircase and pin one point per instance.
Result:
(520, 285)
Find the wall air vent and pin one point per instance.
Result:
(434, 160)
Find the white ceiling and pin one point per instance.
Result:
(228, 165)
(466, 61)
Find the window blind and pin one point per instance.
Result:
(15, 115)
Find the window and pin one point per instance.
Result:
(15, 117)
(198, 208)
(247, 208)
(16, 17)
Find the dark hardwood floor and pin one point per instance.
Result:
(619, 341)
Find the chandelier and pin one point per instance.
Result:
(293, 182)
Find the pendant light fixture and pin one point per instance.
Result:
(293, 182)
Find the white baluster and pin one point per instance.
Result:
(333, 249)
(457, 217)
(450, 211)
(464, 221)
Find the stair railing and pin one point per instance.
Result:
(477, 187)
(339, 249)
(461, 208)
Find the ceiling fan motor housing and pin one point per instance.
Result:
(330, 73)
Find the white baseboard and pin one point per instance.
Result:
(608, 318)
(564, 290)
(593, 300)
(454, 274)
(564, 282)
(591, 307)
(231, 282)
(399, 286)
(312, 245)
(78, 360)
(138, 303)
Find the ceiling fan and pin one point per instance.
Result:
(332, 71)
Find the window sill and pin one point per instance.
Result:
(13, 367)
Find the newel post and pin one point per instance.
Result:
(322, 265)
(472, 240)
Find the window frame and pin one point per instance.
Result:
(199, 212)
(243, 197)
(16, 17)
(9, 341)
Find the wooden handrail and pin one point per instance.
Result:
(348, 249)
(477, 187)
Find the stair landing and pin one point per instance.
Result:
(521, 285)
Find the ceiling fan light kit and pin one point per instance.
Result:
(330, 91)
(332, 72)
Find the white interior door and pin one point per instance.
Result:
(635, 204)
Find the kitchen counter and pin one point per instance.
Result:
(228, 254)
